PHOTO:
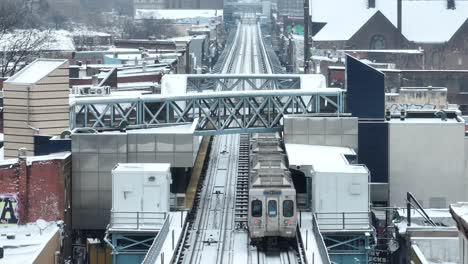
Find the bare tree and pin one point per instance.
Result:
(19, 43)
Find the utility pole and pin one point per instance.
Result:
(306, 36)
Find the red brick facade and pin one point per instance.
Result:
(39, 187)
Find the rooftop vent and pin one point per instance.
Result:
(370, 3)
(402, 114)
(450, 4)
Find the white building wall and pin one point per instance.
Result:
(428, 159)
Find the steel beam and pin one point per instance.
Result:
(217, 112)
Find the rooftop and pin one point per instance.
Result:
(28, 241)
(418, 23)
(322, 158)
(177, 13)
(36, 71)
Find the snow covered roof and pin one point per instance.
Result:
(36, 71)
(29, 160)
(176, 13)
(459, 213)
(423, 21)
(27, 244)
(322, 158)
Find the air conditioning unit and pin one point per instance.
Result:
(105, 90)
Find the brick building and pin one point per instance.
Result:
(35, 188)
(442, 30)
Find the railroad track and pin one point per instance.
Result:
(217, 231)
(242, 188)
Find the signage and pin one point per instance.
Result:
(378, 256)
(8, 209)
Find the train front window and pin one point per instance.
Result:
(257, 208)
(272, 208)
(288, 208)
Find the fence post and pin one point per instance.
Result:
(307, 238)
(172, 239)
(181, 217)
(343, 220)
(300, 219)
(162, 257)
(138, 220)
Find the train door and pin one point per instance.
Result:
(272, 214)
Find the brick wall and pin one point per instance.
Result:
(40, 188)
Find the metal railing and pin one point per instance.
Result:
(156, 247)
(343, 220)
(138, 220)
(322, 248)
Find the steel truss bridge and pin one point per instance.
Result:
(217, 112)
(240, 82)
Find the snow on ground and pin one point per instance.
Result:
(28, 241)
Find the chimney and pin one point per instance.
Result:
(451, 4)
(22, 153)
(371, 3)
(399, 15)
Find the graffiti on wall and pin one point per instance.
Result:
(8, 209)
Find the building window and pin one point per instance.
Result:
(378, 42)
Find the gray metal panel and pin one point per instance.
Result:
(333, 140)
(122, 144)
(184, 143)
(349, 125)
(75, 143)
(146, 143)
(300, 126)
(165, 158)
(89, 181)
(132, 157)
(317, 139)
(164, 143)
(107, 143)
(131, 142)
(88, 162)
(317, 125)
(107, 161)
(88, 142)
(105, 200)
(148, 157)
(183, 159)
(333, 126)
(105, 181)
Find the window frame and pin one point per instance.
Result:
(276, 208)
(255, 203)
(291, 208)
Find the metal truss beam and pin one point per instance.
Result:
(242, 82)
(217, 112)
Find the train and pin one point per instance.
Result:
(272, 217)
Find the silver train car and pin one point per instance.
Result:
(272, 196)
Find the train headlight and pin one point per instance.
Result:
(257, 222)
(288, 222)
